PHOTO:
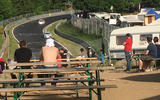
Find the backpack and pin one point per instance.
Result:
(2, 66)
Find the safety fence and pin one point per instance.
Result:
(95, 26)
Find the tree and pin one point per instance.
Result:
(151, 4)
(6, 9)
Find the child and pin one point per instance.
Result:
(102, 56)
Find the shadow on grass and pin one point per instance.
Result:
(144, 78)
(153, 98)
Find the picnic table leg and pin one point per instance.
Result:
(20, 85)
(15, 95)
(98, 84)
(155, 64)
(5, 97)
(77, 95)
(90, 84)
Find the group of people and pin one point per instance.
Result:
(152, 51)
(49, 53)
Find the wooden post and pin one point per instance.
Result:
(98, 84)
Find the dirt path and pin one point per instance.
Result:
(131, 86)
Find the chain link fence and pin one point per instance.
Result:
(98, 27)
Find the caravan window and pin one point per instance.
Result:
(144, 37)
(120, 40)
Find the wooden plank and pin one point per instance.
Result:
(49, 81)
(55, 70)
(55, 88)
(76, 77)
(53, 63)
(73, 72)
(71, 59)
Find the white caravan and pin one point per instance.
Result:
(139, 34)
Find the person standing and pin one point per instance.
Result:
(102, 56)
(89, 52)
(127, 50)
(49, 53)
(23, 55)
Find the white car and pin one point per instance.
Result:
(41, 21)
(47, 35)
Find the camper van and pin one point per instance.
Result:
(139, 36)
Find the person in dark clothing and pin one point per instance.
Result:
(158, 50)
(157, 45)
(23, 55)
(63, 56)
(150, 53)
(2, 65)
(61, 52)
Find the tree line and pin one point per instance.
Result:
(11, 8)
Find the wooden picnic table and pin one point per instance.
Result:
(19, 90)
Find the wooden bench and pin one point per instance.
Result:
(93, 80)
(138, 56)
(55, 88)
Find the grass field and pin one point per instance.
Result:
(69, 29)
(9, 54)
(93, 40)
(71, 46)
(1, 36)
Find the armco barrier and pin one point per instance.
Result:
(76, 40)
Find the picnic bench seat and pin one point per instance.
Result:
(91, 81)
(55, 88)
(48, 81)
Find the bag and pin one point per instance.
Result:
(1, 69)
(2, 66)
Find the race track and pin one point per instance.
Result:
(32, 33)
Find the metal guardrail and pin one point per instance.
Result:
(76, 40)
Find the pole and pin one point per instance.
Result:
(98, 84)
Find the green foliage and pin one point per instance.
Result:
(151, 4)
(1, 35)
(6, 9)
(1, 29)
(11, 8)
(69, 29)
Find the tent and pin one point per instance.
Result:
(151, 11)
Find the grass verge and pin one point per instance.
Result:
(93, 40)
(74, 48)
(1, 36)
(69, 29)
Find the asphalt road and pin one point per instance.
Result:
(32, 33)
